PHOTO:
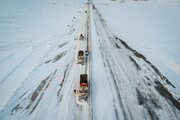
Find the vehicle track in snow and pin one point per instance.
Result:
(74, 70)
(88, 59)
(135, 87)
(135, 80)
(87, 64)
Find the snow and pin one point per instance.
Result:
(151, 27)
(103, 107)
(39, 43)
(29, 29)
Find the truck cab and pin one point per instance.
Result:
(80, 57)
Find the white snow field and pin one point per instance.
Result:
(133, 64)
(151, 27)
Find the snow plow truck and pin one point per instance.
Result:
(83, 91)
(81, 37)
(80, 57)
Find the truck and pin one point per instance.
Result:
(81, 37)
(80, 57)
(83, 86)
(83, 90)
(86, 52)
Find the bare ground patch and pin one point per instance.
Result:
(150, 103)
(37, 91)
(16, 108)
(59, 96)
(36, 103)
(50, 79)
(47, 61)
(135, 63)
(36, 95)
(22, 95)
(39, 88)
(166, 94)
(62, 45)
(139, 55)
(59, 56)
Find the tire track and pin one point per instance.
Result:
(142, 69)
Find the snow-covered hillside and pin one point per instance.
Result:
(133, 65)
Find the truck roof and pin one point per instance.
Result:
(83, 78)
(80, 53)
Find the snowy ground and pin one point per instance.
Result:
(131, 76)
(151, 27)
